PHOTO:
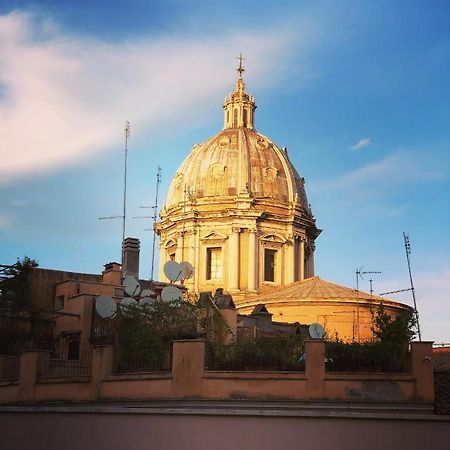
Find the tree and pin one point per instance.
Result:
(15, 284)
(397, 331)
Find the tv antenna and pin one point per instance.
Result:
(408, 253)
(123, 216)
(359, 274)
(154, 216)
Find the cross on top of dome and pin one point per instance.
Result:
(240, 69)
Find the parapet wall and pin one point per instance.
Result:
(189, 379)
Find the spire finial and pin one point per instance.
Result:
(240, 69)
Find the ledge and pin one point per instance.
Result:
(256, 375)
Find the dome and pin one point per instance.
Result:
(237, 210)
(238, 161)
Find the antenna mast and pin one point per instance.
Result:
(155, 215)
(127, 135)
(359, 274)
(123, 216)
(408, 253)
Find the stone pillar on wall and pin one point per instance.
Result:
(234, 259)
(422, 369)
(315, 369)
(252, 260)
(188, 366)
(31, 363)
(102, 366)
(196, 262)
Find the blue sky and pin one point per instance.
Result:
(357, 91)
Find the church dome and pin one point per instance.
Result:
(238, 161)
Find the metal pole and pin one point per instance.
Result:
(127, 135)
(408, 252)
(158, 181)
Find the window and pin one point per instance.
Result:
(73, 349)
(172, 257)
(269, 264)
(59, 302)
(213, 263)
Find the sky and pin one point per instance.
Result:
(357, 91)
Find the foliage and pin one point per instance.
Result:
(261, 353)
(145, 333)
(389, 353)
(396, 332)
(21, 322)
(15, 284)
(364, 357)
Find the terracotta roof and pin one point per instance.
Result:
(315, 288)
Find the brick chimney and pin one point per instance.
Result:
(130, 248)
(112, 274)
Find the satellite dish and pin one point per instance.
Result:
(316, 331)
(128, 301)
(144, 301)
(170, 294)
(105, 306)
(173, 271)
(147, 293)
(187, 270)
(131, 286)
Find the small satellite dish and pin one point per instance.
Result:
(316, 331)
(131, 286)
(105, 306)
(170, 294)
(187, 270)
(173, 271)
(128, 301)
(147, 293)
(144, 301)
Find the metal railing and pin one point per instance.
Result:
(369, 357)
(64, 367)
(9, 368)
(262, 354)
(160, 360)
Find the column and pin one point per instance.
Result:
(233, 259)
(191, 255)
(251, 259)
(289, 261)
(311, 262)
(302, 260)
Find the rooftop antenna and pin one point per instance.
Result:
(123, 216)
(408, 252)
(154, 216)
(359, 274)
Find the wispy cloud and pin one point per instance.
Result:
(63, 98)
(397, 169)
(364, 142)
(433, 301)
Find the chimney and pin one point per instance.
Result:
(112, 274)
(130, 249)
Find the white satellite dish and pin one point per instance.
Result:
(187, 270)
(147, 293)
(173, 271)
(128, 301)
(316, 331)
(146, 301)
(105, 306)
(131, 286)
(171, 293)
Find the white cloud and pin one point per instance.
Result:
(433, 301)
(63, 99)
(364, 142)
(396, 169)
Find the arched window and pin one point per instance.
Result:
(245, 117)
(235, 114)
